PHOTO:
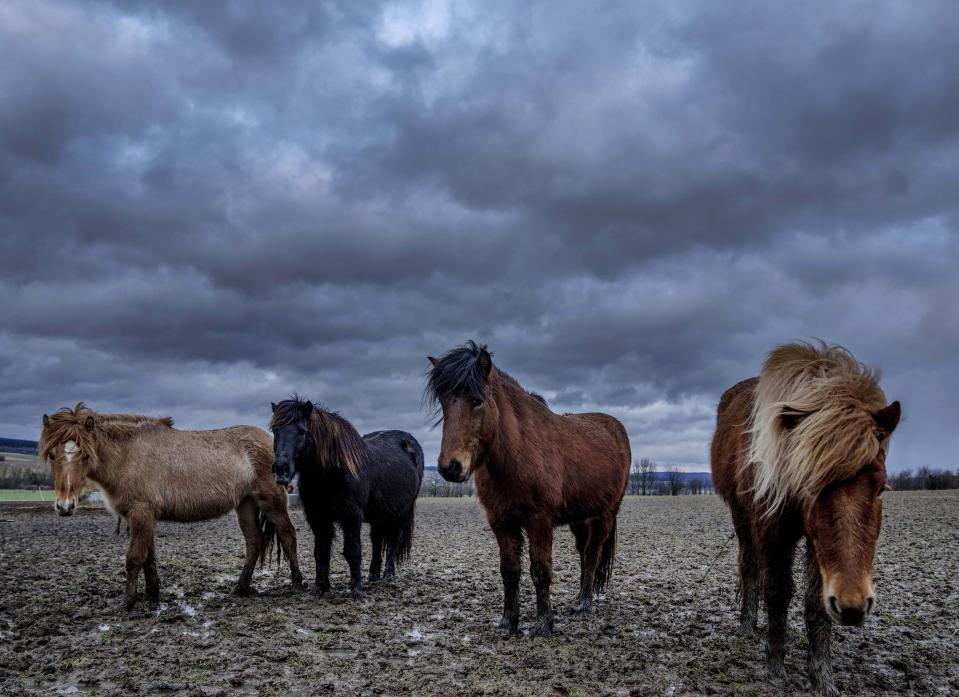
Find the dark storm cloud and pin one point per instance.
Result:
(206, 207)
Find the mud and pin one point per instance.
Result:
(661, 630)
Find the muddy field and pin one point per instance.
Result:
(661, 630)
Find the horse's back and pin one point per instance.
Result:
(730, 440)
(394, 469)
(599, 431)
(195, 475)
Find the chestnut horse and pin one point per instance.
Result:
(800, 452)
(535, 470)
(150, 471)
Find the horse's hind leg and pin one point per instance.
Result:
(142, 522)
(599, 530)
(273, 505)
(392, 551)
(353, 551)
(581, 533)
(247, 514)
(748, 576)
(376, 557)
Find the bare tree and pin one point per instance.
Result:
(674, 478)
(695, 486)
(646, 473)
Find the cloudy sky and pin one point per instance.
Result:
(204, 207)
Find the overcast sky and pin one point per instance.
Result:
(203, 209)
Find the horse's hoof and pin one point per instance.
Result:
(776, 667)
(827, 689)
(244, 590)
(357, 594)
(153, 595)
(543, 629)
(129, 602)
(297, 579)
(748, 629)
(389, 576)
(372, 579)
(584, 608)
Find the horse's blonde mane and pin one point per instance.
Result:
(829, 399)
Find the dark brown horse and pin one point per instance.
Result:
(150, 471)
(534, 470)
(800, 452)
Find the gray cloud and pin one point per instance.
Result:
(204, 209)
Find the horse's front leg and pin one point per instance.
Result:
(322, 545)
(777, 590)
(142, 522)
(818, 629)
(353, 551)
(510, 540)
(540, 533)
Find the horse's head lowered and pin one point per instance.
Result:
(68, 443)
(821, 429)
(843, 522)
(459, 387)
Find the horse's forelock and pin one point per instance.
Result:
(811, 423)
(289, 411)
(67, 424)
(459, 373)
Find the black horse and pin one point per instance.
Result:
(347, 479)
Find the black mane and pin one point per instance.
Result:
(458, 373)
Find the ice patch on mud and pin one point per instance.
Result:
(68, 690)
(104, 628)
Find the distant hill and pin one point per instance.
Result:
(13, 445)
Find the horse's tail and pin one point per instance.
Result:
(605, 569)
(268, 535)
(406, 536)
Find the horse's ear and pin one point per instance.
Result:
(306, 408)
(273, 406)
(887, 418)
(89, 423)
(46, 420)
(485, 362)
(434, 361)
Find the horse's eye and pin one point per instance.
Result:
(476, 403)
(884, 488)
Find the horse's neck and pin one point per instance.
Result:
(504, 456)
(110, 456)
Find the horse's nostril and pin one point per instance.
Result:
(456, 467)
(834, 604)
(870, 604)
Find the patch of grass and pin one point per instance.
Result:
(25, 495)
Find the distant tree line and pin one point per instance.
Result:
(24, 478)
(646, 478)
(924, 478)
(439, 487)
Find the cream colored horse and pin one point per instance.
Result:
(150, 471)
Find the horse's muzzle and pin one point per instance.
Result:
(65, 508)
(282, 473)
(453, 471)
